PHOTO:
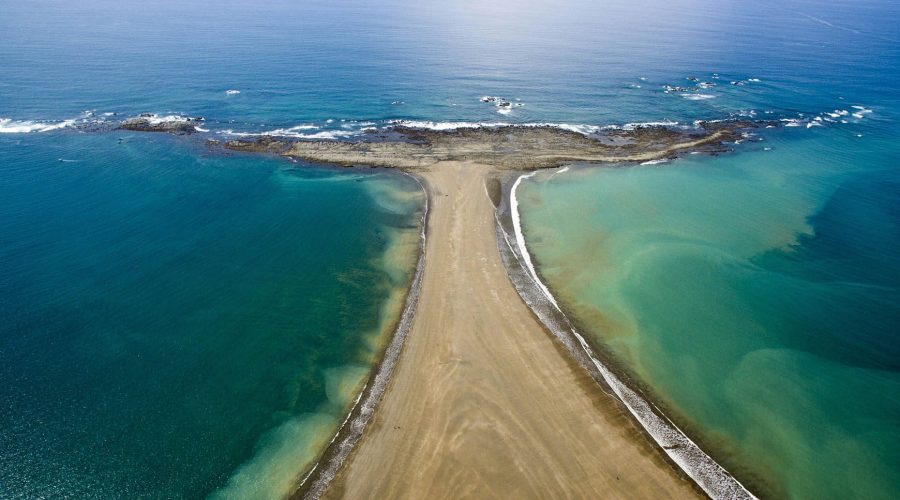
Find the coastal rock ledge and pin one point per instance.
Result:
(508, 147)
(147, 122)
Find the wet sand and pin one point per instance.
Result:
(483, 403)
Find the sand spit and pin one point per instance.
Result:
(487, 398)
(483, 402)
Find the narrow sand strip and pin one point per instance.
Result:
(483, 403)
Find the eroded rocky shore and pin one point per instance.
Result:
(148, 122)
(505, 147)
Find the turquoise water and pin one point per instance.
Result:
(175, 320)
(755, 294)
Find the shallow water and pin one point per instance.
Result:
(755, 294)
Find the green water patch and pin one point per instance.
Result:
(754, 294)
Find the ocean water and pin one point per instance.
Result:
(178, 322)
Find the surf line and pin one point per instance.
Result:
(711, 477)
(317, 480)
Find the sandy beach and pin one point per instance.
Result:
(483, 403)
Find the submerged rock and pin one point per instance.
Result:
(264, 144)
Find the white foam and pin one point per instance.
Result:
(232, 133)
(504, 110)
(430, 125)
(295, 128)
(232, 92)
(351, 127)
(636, 125)
(296, 132)
(655, 162)
(447, 126)
(861, 112)
(10, 126)
(520, 239)
(754, 80)
(200, 129)
(355, 124)
(327, 134)
(698, 97)
(580, 129)
(560, 171)
(154, 119)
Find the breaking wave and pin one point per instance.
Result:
(10, 126)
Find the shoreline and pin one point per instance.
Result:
(494, 410)
(317, 479)
(684, 453)
(357, 459)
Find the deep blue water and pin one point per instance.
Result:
(150, 286)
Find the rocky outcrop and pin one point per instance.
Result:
(153, 123)
(505, 147)
(264, 144)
